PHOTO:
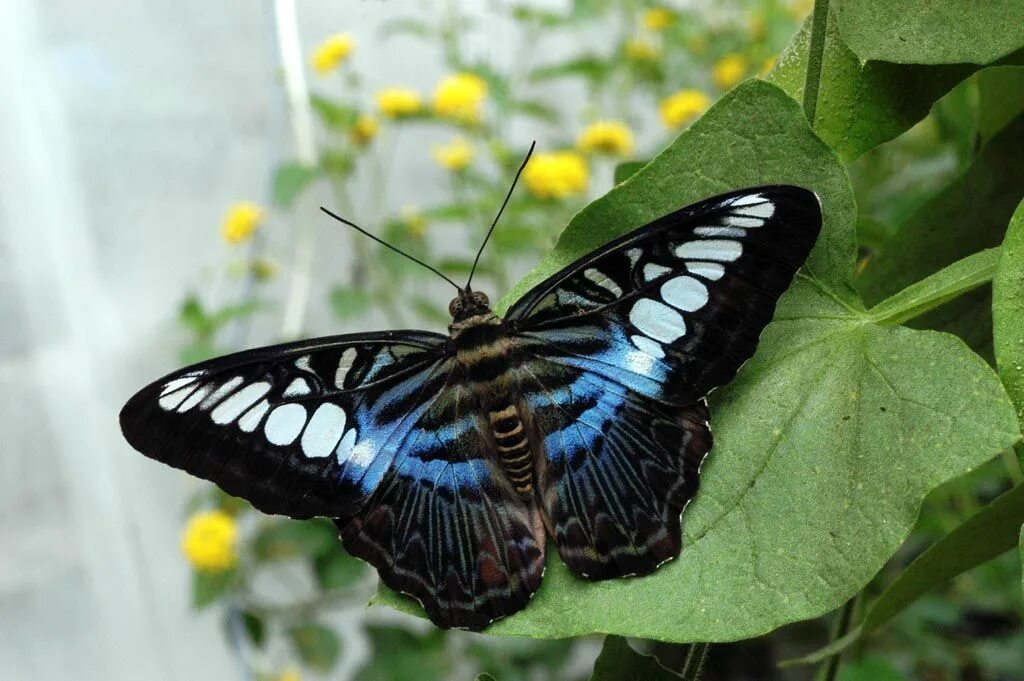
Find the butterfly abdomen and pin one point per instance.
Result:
(513, 448)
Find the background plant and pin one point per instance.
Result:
(915, 152)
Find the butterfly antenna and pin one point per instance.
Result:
(500, 210)
(385, 243)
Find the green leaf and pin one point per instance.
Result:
(290, 179)
(334, 114)
(316, 645)
(826, 442)
(1008, 314)
(985, 535)
(619, 662)
(285, 538)
(409, 27)
(1022, 556)
(861, 105)
(945, 285)
(930, 32)
(337, 569)
(207, 587)
(193, 315)
(966, 216)
(626, 170)
(349, 302)
(484, 677)
(401, 654)
(337, 163)
(869, 668)
(255, 628)
(428, 309)
(1000, 98)
(536, 109)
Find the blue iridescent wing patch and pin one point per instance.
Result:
(622, 346)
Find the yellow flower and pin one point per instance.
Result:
(767, 65)
(609, 137)
(241, 221)
(331, 52)
(641, 50)
(455, 155)
(658, 19)
(460, 97)
(729, 70)
(289, 675)
(556, 175)
(209, 541)
(415, 223)
(682, 107)
(397, 102)
(364, 129)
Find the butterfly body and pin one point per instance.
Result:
(450, 461)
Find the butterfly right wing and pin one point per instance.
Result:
(300, 429)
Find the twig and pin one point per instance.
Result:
(815, 55)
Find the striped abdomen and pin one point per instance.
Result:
(513, 448)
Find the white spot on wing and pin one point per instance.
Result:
(251, 419)
(196, 397)
(739, 221)
(285, 423)
(763, 210)
(647, 346)
(324, 430)
(296, 388)
(708, 270)
(720, 231)
(633, 254)
(657, 320)
(652, 271)
(362, 453)
(344, 450)
(725, 250)
(684, 292)
(220, 393)
(344, 364)
(639, 362)
(228, 410)
(747, 200)
(303, 363)
(602, 280)
(171, 386)
(171, 400)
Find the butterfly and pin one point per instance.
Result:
(449, 461)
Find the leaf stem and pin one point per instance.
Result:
(815, 57)
(696, 656)
(830, 667)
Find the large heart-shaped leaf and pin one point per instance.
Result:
(1008, 314)
(932, 31)
(826, 442)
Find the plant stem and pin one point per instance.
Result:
(830, 667)
(815, 56)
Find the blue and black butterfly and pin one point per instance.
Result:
(446, 461)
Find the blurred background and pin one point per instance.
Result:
(162, 166)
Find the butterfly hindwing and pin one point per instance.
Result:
(446, 526)
(622, 347)
(302, 429)
(682, 301)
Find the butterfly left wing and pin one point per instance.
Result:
(368, 429)
(619, 350)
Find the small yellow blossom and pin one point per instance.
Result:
(767, 65)
(397, 102)
(556, 175)
(209, 541)
(641, 50)
(364, 129)
(608, 137)
(658, 19)
(241, 221)
(682, 107)
(729, 70)
(460, 97)
(289, 675)
(455, 155)
(331, 52)
(415, 223)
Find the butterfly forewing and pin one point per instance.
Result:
(622, 347)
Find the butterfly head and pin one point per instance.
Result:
(468, 304)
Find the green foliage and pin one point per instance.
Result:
(929, 32)
(290, 179)
(1008, 314)
(317, 645)
(207, 587)
(402, 654)
(804, 498)
(284, 539)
